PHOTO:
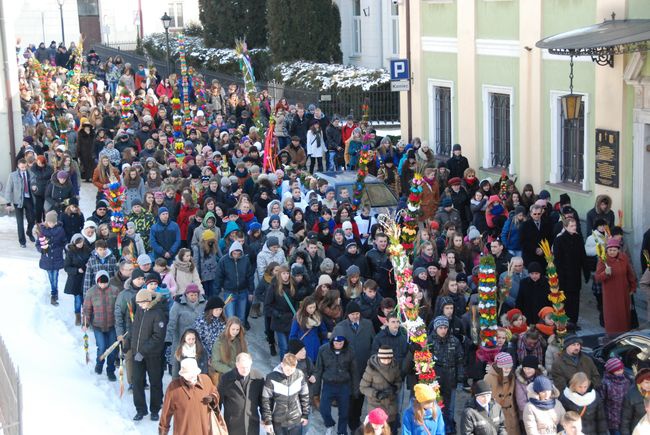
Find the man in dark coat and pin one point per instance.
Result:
(300, 125)
(633, 408)
(501, 256)
(533, 293)
(381, 269)
(531, 233)
(570, 257)
(165, 236)
(457, 163)
(352, 256)
(240, 393)
(392, 335)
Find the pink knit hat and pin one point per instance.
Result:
(613, 365)
(503, 360)
(377, 416)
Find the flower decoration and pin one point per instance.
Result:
(487, 306)
(556, 296)
(365, 156)
(410, 223)
(115, 196)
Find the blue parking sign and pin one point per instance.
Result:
(399, 69)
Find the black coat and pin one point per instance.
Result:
(72, 224)
(241, 407)
(477, 420)
(40, 178)
(569, 252)
(75, 259)
(52, 257)
(58, 195)
(381, 270)
(279, 310)
(532, 297)
(594, 419)
(148, 331)
(457, 166)
(530, 238)
(346, 260)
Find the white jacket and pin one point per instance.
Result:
(312, 141)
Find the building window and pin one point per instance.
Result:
(88, 8)
(394, 22)
(442, 119)
(356, 27)
(176, 12)
(499, 130)
(572, 168)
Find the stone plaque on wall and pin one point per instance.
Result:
(607, 157)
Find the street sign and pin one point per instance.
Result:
(399, 69)
(400, 85)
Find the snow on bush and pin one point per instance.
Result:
(323, 76)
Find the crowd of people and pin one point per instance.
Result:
(211, 240)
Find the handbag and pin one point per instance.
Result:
(217, 423)
(634, 317)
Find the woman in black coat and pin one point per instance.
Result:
(59, 192)
(281, 305)
(77, 254)
(72, 218)
(578, 397)
(570, 258)
(86, 151)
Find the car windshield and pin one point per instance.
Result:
(379, 196)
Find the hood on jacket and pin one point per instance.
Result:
(235, 246)
(345, 342)
(108, 253)
(445, 300)
(230, 227)
(100, 274)
(601, 198)
(519, 373)
(270, 205)
(533, 395)
(493, 199)
(208, 215)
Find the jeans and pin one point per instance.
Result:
(331, 160)
(614, 432)
(451, 428)
(282, 339)
(103, 341)
(25, 212)
(515, 253)
(283, 142)
(291, 430)
(53, 276)
(78, 302)
(210, 288)
(340, 393)
(237, 306)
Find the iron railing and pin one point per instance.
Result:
(500, 129)
(122, 45)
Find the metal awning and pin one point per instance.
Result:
(601, 41)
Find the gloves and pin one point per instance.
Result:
(383, 394)
(138, 357)
(208, 400)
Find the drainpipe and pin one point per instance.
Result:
(409, 97)
(8, 79)
(381, 34)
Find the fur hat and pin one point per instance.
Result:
(424, 393)
(214, 302)
(143, 295)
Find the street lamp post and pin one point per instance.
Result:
(167, 20)
(60, 3)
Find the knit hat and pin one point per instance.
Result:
(503, 360)
(76, 237)
(542, 383)
(424, 393)
(62, 175)
(611, 243)
(444, 301)
(446, 202)
(347, 225)
(534, 266)
(143, 295)
(419, 270)
(159, 195)
(51, 217)
(297, 269)
(137, 273)
(274, 217)
(440, 321)
(102, 276)
(462, 276)
(642, 375)
(325, 279)
(143, 259)
(520, 209)
(192, 288)
(571, 339)
(136, 202)
(613, 365)
(544, 312)
(480, 388)
(214, 302)
(377, 416)
(208, 235)
(272, 241)
(473, 233)
(294, 346)
(153, 276)
(130, 225)
(327, 266)
(456, 147)
(254, 227)
(339, 338)
(385, 351)
(352, 307)
(512, 313)
(530, 361)
(544, 194)
(353, 270)
(350, 243)
(162, 210)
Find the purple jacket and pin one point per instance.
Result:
(613, 391)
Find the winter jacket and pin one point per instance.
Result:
(207, 264)
(235, 276)
(125, 309)
(381, 270)
(633, 410)
(316, 144)
(530, 238)
(133, 193)
(165, 238)
(95, 264)
(39, 178)
(521, 386)
(57, 195)
(569, 252)
(52, 256)
(448, 355)
(399, 343)
(595, 213)
(218, 363)
(72, 223)
(336, 367)
(443, 216)
(208, 332)
(285, 399)
(538, 421)
(590, 407)
(297, 155)
(381, 384)
(279, 309)
(183, 403)
(241, 404)
(360, 341)
(358, 260)
(312, 338)
(368, 307)
(613, 390)
(565, 367)
(433, 426)
(75, 259)
(181, 317)
(148, 329)
(510, 234)
(457, 166)
(266, 257)
(503, 393)
(99, 307)
(532, 297)
(481, 421)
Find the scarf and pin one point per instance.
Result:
(246, 217)
(189, 351)
(183, 266)
(312, 322)
(542, 404)
(518, 329)
(470, 181)
(580, 399)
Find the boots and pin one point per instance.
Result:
(272, 349)
(77, 319)
(54, 300)
(255, 310)
(271, 340)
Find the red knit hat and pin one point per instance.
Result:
(544, 312)
(377, 416)
(510, 314)
(613, 365)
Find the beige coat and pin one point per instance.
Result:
(503, 392)
(184, 404)
(539, 421)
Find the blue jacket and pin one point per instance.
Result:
(165, 238)
(235, 276)
(312, 339)
(52, 257)
(224, 243)
(510, 235)
(412, 427)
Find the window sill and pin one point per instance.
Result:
(496, 170)
(571, 187)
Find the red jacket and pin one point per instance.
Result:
(346, 132)
(183, 219)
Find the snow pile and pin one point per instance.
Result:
(324, 77)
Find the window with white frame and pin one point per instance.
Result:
(442, 120)
(394, 27)
(176, 12)
(499, 138)
(356, 27)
